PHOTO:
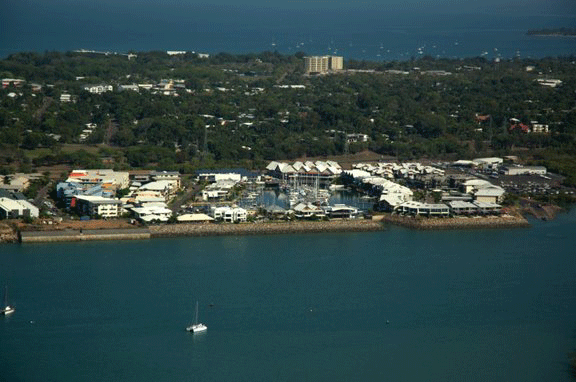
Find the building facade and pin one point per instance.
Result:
(323, 64)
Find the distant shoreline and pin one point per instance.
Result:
(556, 32)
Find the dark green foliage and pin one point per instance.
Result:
(413, 115)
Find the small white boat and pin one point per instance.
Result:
(196, 327)
(7, 308)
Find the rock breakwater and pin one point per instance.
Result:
(264, 228)
(84, 235)
(456, 222)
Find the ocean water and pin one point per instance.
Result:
(362, 34)
(397, 305)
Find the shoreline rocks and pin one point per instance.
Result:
(457, 222)
(264, 228)
(377, 223)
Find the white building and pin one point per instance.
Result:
(492, 194)
(98, 89)
(97, 206)
(524, 170)
(216, 177)
(152, 212)
(308, 210)
(165, 188)
(218, 191)
(12, 209)
(341, 211)
(323, 64)
(425, 209)
(230, 214)
(169, 176)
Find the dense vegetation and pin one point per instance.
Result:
(233, 109)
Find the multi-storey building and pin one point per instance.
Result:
(323, 64)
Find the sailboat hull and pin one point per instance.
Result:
(197, 328)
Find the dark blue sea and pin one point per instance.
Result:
(396, 305)
(376, 34)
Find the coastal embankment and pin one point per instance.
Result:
(377, 223)
(265, 228)
(84, 235)
(8, 234)
(506, 221)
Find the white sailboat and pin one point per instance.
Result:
(7, 308)
(196, 327)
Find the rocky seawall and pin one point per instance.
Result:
(211, 229)
(83, 235)
(457, 222)
(8, 234)
(222, 229)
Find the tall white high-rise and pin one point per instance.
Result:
(323, 64)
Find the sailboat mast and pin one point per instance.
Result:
(196, 319)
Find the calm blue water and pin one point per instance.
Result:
(488, 305)
(375, 34)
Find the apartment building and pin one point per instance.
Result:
(323, 64)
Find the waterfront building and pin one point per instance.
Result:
(389, 202)
(340, 211)
(423, 209)
(461, 207)
(152, 213)
(194, 218)
(218, 191)
(488, 207)
(16, 208)
(308, 210)
(318, 174)
(96, 206)
(274, 211)
(491, 194)
(230, 214)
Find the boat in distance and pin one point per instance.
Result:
(196, 327)
(7, 308)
